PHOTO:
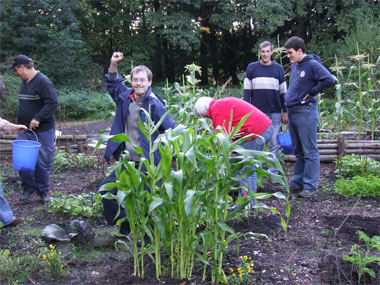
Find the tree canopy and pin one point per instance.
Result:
(72, 41)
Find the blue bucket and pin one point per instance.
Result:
(25, 154)
(285, 142)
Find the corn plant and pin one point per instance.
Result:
(181, 203)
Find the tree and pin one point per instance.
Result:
(46, 31)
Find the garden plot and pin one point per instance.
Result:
(320, 232)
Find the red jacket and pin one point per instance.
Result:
(220, 113)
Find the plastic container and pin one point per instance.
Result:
(25, 154)
(285, 142)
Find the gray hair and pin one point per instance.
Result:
(266, 44)
(201, 106)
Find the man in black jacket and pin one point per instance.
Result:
(37, 104)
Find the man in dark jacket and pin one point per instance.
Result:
(36, 109)
(129, 102)
(308, 78)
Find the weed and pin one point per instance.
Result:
(16, 269)
(243, 273)
(350, 166)
(87, 205)
(360, 256)
(64, 159)
(53, 262)
(359, 186)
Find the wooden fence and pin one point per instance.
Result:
(330, 146)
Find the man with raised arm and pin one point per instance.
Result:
(129, 105)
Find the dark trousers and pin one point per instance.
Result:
(110, 207)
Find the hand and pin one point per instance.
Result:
(116, 57)
(34, 124)
(21, 128)
(13, 127)
(284, 118)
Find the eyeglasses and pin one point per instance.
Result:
(141, 80)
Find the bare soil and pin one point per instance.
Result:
(321, 231)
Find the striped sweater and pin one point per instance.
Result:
(265, 86)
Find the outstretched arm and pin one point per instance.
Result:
(7, 126)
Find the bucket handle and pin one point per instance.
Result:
(33, 133)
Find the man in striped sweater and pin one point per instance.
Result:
(264, 87)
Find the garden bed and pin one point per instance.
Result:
(321, 231)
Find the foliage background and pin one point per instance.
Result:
(71, 41)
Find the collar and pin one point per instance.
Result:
(135, 98)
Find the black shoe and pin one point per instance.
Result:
(26, 195)
(44, 196)
(295, 190)
(307, 193)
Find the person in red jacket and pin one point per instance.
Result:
(258, 124)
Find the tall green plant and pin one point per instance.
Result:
(183, 208)
(181, 203)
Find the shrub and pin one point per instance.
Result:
(359, 186)
(74, 103)
(79, 104)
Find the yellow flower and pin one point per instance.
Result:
(234, 275)
(44, 256)
(249, 268)
(51, 247)
(176, 249)
(240, 276)
(245, 258)
(231, 269)
(252, 263)
(59, 253)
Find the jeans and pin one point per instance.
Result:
(39, 179)
(274, 146)
(303, 122)
(6, 215)
(254, 144)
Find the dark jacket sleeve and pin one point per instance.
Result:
(323, 77)
(116, 86)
